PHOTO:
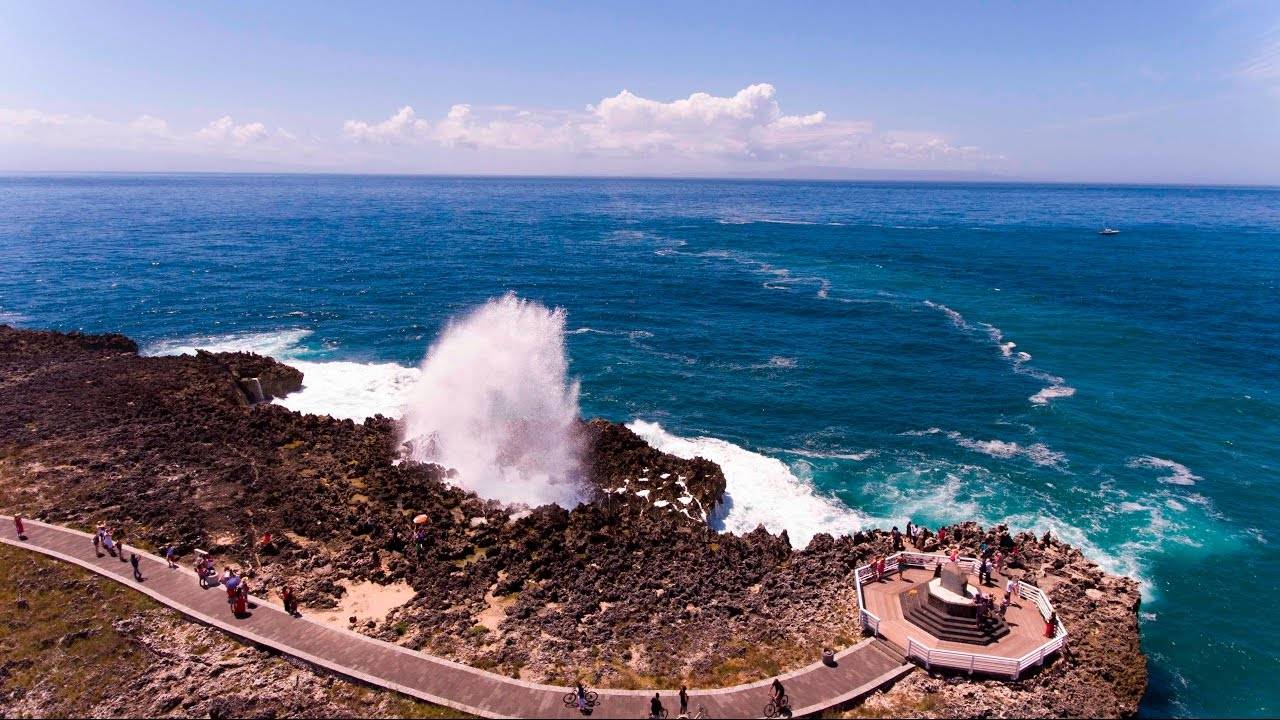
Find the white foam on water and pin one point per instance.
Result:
(340, 389)
(11, 317)
(856, 456)
(282, 345)
(760, 490)
(351, 390)
(1038, 453)
(495, 403)
(1057, 387)
(1179, 474)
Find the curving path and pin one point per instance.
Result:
(859, 670)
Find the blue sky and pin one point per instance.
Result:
(1132, 91)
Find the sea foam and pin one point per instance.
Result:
(1179, 474)
(760, 490)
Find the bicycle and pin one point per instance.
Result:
(700, 715)
(571, 699)
(778, 708)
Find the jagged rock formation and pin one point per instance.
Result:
(630, 589)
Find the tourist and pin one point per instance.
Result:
(684, 701)
(983, 547)
(171, 556)
(655, 707)
(955, 555)
(582, 698)
(897, 539)
(240, 605)
(880, 569)
(1051, 625)
(984, 572)
(998, 561)
(137, 572)
(942, 536)
(290, 602)
(108, 543)
(119, 538)
(97, 544)
(17, 524)
(1004, 607)
(1011, 591)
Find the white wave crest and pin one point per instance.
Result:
(1037, 453)
(494, 402)
(279, 344)
(1057, 387)
(760, 490)
(1179, 474)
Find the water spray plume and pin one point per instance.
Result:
(494, 403)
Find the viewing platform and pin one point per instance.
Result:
(931, 615)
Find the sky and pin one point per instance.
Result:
(1152, 92)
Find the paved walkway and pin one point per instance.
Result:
(859, 670)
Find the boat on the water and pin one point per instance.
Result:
(1108, 231)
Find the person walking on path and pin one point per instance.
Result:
(1011, 591)
(97, 543)
(684, 701)
(290, 602)
(108, 544)
(171, 556)
(655, 707)
(17, 524)
(137, 572)
(118, 536)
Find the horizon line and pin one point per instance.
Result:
(992, 179)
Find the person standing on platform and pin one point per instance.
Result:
(137, 572)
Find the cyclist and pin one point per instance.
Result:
(582, 697)
(779, 694)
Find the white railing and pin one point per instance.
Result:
(988, 664)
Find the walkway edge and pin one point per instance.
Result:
(56, 550)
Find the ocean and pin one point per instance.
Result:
(852, 354)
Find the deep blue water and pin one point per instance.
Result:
(856, 332)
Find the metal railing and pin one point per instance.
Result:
(954, 659)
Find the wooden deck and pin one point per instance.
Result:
(1026, 627)
(860, 669)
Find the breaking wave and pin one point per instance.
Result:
(760, 490)
(494, 402)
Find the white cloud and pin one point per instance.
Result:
(747, 126)
(224, 129)
(399, 128)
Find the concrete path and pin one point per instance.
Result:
(859, 670)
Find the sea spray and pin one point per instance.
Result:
(494, 403)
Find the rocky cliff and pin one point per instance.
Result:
(629, 589)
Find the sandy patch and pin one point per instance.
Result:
(366, 601)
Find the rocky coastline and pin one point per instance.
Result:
(630, 589)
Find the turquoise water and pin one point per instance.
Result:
(842, 349)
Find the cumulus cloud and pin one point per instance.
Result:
(404, 126)
(748, 125)
(224, 129)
